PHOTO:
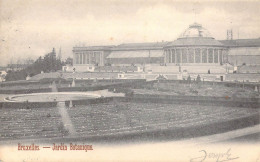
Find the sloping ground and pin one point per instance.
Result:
(30, 123)
(122, 118)
(248, 134)
(115, 118)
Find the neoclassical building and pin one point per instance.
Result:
(194, 51)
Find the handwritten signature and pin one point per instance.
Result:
(219, 157)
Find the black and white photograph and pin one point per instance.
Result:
(129, 80)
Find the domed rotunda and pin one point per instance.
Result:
(195, 46)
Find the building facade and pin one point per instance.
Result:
(194, 51)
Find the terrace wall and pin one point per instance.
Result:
(89, 101)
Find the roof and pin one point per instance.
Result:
(195, 41)
(92, 48)
(242, 42)
(195, 30)
(151, 45)
(136, 54)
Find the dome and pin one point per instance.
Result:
(195, 30)
(195, 35)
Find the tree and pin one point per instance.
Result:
(49, 63)
(69, 61)
(198, 79)
(189, 79)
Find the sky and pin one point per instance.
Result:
(31, 28)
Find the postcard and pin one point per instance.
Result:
(136, 80)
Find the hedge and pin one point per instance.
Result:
(200, 100)
(25, 91)
(27, 105)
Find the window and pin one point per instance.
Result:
(197, 55)
(173, 55)
(184, 56)
(80, 58)
(210, 56)
(204, 56)
(191, 55)
(84, 58)
(178, 52)
(220, 57)
(167, 56)
(77, 58)
(215, 56)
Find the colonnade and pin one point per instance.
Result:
(89, 57)
(195, 55)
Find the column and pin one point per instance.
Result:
(170, 51)
(84, 58)
(165, 53)
(175, 55)
(167, 56)
(207, 55)
(99, 59)
(76, 58)
(181, 57)
(200, 55)
(87, 57)
(90, 57)
(188, 55)
(218, 57)
(222, 56)
(194, 55)
(80, 58)
(171, 54)
(102, 58)
(213, 55)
